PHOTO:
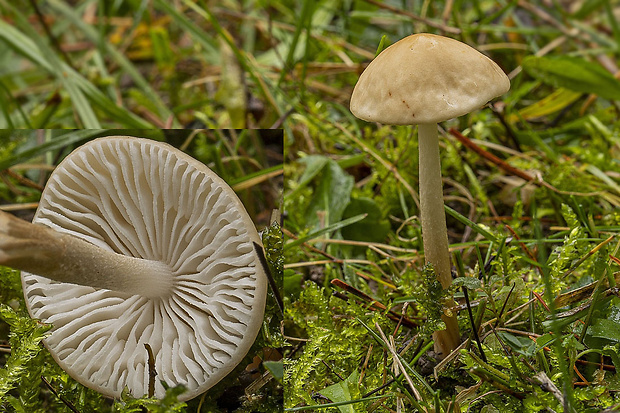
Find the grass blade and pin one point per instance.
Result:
(466, 221)
(322, 231)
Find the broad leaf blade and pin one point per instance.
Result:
(331, 196)
(341, 392)
(573, 73)
(373, 228)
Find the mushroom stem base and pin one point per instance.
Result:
(46, 252)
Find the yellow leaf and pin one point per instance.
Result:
(555, 102)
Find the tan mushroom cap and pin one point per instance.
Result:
(425, 78)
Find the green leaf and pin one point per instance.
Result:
(373, 228)
(292, 283)
(276, 368)
(466, 221)
(521, 345)
(322, 231)
(608, 329)
(164, 56)
(382, 45)
(80, 86)
(111, 52)
(573, 73)
(34, 44)
(587, 7)
(470, 283)
(552, 103)
(60, 141)
(341, 392)
(231, 91)
(544, 341)
(314, 166)
(614, 353)
(603, 177)
(330, 197)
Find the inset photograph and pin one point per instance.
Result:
(148, 265)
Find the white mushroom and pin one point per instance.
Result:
(421, 80)
(134, 243)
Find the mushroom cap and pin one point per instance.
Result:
(425, 78)
(146, 199)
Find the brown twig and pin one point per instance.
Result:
(541, 300)
(152, 370)
(602, 366)
(490, 157)
(524, 247)
(374, 304)
(61, 397)
(584, 381)
(511, 169)
(581, 293)
(23, 180)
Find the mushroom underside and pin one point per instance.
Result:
(152, 204)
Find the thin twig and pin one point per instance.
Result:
(511, 169)
(19, 207)
(474, 328)
(152, 370)
(23, 180)
(522, 244)
(334, 260)
(61, 397)
(547, 385)
(585, 257)
(392, 350)
(332, 370)
(374, 304)
(272, 283)
(490, 157)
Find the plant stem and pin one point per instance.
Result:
(434, 230)
(46, 252)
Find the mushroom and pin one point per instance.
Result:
(136, 246)
(422, 80)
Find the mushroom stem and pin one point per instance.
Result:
(434, 229)
(433, 216)
(46, 252)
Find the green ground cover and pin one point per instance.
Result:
(528, 226)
